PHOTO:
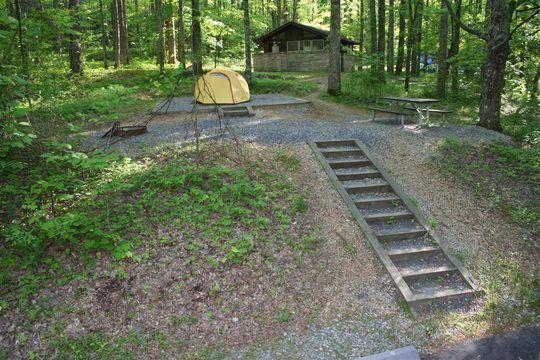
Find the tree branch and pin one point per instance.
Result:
(524, 21)
(465, 27)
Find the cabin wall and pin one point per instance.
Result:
(298, 61)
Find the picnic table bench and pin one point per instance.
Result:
(408, 106)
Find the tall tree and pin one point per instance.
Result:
(75, 50)
(124, 39)
(497, 40)
(381, 44)
(181, 35)
(170, 40)
(401, 38)
(417, 36)
(390, 40)
(411, 11)
(25, 58)
(196, 41)
(533, 92)
(247, 40)
(160, 41)
(373, 38)
(361, 31)
(103, 35)
(334, 57)
(454, 49)
(137, 24)
(295, 10)
(115, 34)
(442, 73)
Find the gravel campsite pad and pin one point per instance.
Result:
(343, 304)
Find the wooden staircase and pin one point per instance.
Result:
(417, 260)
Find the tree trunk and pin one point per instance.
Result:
(454, 50)
(373, 38)
(498, 50)
(361, 44)
(137, 23)
(490, 100)
(75, 51)
(103, 35)
(534, 86)
(124, 40)
(115, 29)
(334, 60)
(401, 38)
(372, 28)
(25, 58)
(181, 35)
(390, 44)
(247, 41)
(442, 74)
(196, 42)
(170, 40)
(381, 44)
(295, 10)
(159, 29)
(279, 10)
(417, 36)
(410, 37)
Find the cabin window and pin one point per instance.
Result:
(318, 45)
(305, 45)
(293, 46)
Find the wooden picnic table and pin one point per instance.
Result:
(421, 105)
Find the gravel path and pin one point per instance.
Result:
(299, 124)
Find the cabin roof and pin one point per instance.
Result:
(309, 28)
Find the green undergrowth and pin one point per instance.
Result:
(99, 96)
(360, 88)
(507, 174)
(220, 211)
(511, 298)
(283, 83)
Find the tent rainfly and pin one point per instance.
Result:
(221, 86)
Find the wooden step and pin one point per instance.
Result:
(328, 143)
(376, 200)
(233, 113)
(412, 251)
(427, 271)
(342, 153)
(362, 188)
(358, 175)
(348, 163)
(400, 235)
(389, 215)
(419, 299)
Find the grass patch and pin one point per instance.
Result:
(100, 96)
(509, 175)
(283, 83)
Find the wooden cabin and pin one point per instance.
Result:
(298, 47)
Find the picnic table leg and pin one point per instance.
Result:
(402, 121)
(427, 116)
(419, 111)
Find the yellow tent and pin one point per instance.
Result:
(221, 86)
